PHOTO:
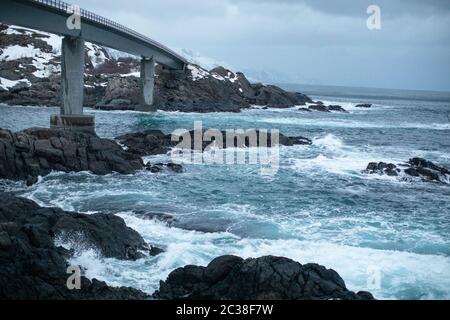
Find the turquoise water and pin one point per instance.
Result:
(317, 208)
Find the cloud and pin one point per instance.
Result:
(320, 39)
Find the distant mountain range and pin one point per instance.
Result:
(253, 75)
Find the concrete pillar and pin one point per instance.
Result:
(72, 86)
(147, 84)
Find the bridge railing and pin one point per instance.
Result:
(66, 7)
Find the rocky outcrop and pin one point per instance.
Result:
(415, 167)
(158, 167)
(36, 152)
(324, 108)
(32, 267)
(113, 84)
(274, 278)
(363, 105)
(153, 142)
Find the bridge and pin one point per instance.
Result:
(52, 16)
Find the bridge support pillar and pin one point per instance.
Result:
(147, 85)
(72, 86)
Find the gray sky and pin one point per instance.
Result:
(317, 41)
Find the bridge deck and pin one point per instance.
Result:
(51, 16)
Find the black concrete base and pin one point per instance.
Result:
(73, 122)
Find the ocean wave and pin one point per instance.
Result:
(352, 123)
(403, 275)
(331, 154)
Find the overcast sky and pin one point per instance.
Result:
(319, 42)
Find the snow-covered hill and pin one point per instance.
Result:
(36, 54)
(30, 74)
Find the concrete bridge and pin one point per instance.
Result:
(52, 16)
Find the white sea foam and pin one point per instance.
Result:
(400, 271)
(352, 123)
(335, 157)
(351, 106)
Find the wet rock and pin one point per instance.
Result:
(363, 105)
(274, 278)
(150, 142)
(324, 108)
(32, 267)
(319, 107)
(158, 167)
(415, 167)
(104, 232)
(36, 152)
(156, 142)
(336, 108)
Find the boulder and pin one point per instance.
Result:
(36, 152)
(323, 108)
(153, 142)
(32, 267)
(265, 278)
(106, 233)
(158, 167)
(415, 167)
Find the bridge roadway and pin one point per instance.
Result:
(53, 16)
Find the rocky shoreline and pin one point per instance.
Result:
(113, 83)
(33, 267)
(35, 152)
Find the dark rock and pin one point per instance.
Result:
(175, 167)
(105, 232)
(149, 142)
(274, 278)
(422, 163)
(158, 167)
(416, 167)
(319, 107)
(324, 108)
(363, 105)
(20, 86)
(336, 108)
(32, 267)
(156, 142)
(36, 152)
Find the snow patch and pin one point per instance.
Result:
(197, 72)
(7, 84)
(136, 74)
(96, 54)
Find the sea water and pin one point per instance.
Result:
(319, 207)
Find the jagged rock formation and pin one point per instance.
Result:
(415, 167)
(274, 278)
(153, 142)
(32, 267)
(318, 106)
(30, 75)
(36, 152)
